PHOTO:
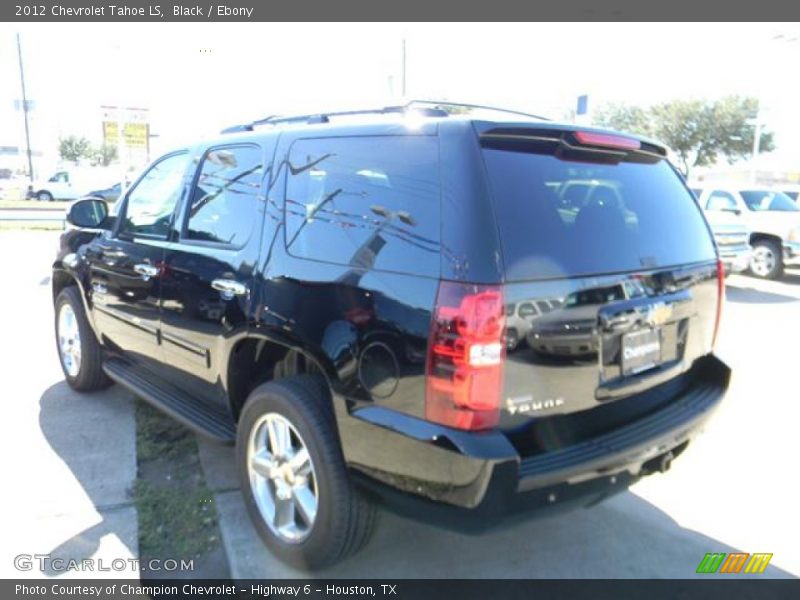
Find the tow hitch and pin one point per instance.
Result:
(666, 462)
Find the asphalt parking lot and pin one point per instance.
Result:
(71, 460)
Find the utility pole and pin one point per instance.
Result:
(404, 69)
(756, 148)
(25, 111)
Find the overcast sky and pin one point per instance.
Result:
(197, 78)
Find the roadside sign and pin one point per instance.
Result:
(135, 135)
(135, 124)
(583, 105)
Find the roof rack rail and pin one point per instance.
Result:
(444, 103)
(432, 108)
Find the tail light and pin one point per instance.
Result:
(466, 352)
(720, 300)
(607, 140)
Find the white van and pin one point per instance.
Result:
(69, 183)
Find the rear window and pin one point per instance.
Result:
(559, 218)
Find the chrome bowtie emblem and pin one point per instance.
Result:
(658, 314)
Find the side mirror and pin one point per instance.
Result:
(89, 213)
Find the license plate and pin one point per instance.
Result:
(641, 350)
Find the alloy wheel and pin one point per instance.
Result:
(282, 478)
(69, 340)
(763, 261)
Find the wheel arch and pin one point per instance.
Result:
(757, 236)
(62, 278)
(257, 358)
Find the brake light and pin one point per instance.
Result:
(465, 356)
(720, 300)
(607, 140)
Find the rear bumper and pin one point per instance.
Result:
(472, 480)
(791, 253)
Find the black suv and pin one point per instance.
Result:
(333, 294)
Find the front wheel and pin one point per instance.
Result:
(766, 260)
(78, 350)
(293, 476)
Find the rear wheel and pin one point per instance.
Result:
(44, 196)
(78, 349)
(293, 475)
(512, 339)
(767, 259)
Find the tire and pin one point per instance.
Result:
(82, 359)
(343, 519)
(44, 196)
(512, 339)
(767, 259)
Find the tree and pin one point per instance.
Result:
(104, 154)
(73, 148)
(698, 132)
(632, 119)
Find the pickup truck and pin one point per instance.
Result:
(772, 217)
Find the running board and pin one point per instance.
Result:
(197, 416)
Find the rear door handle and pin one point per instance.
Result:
(229, 288)
(146, 271)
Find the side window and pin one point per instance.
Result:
(720, 200)
(526, 309)
(368, 202)
(151, 202)
(224, 201)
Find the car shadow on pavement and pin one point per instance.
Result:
(748, 295)
(94, 435)
(624, 537)
(791, 276)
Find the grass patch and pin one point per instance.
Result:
(31, 226)
(159, 437)
(177, 514)
(35, 204)
(175, 524)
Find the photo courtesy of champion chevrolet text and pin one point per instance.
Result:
(399, 300)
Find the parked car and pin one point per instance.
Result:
(572, 329)
(772, 217)
(12, 186)
(109, 194)
(329, 293)
(731, 235)
(520, 318)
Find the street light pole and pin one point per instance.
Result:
(25, 111)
